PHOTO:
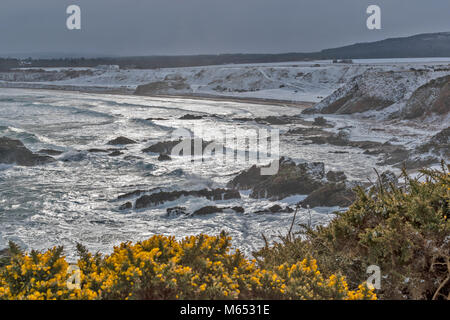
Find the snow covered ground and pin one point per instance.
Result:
(302, 81)
(76, 200)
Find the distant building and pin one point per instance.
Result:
(343, 61)
(24, 63)
(108, 67)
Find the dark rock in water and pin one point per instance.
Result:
(247, 179)
(132, 158)
(230, 194)
(191, 117)
(202, 211)
(125, 206)
(289, 209)
(392, 154)
(306, 131)
(166, 147)
(290, 179)
(238, 209)
(275, 209)
(273, 120)
(115, 153)
(320, 121)
(131, 194)
(121, 141)
(50, 152)
(330, 195)
(336, 176)
(155, 119)
(243, 119)
(176, 211)
(164, 157)
(158, 198)
(14, 151)
(73, 156)
(94, 150)
(207, 210)
(136, 193)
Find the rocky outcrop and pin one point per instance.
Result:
(121, 141)
(439, 145)
(158, 198)
(330, 195)
(390, 154)
(164, 157)
(340, 192)
(207, 210)
(363, 93)
(324, 190)
(431, 152)
(291, 179)
(13, 151)
(433, 97)
(336, 176)
(376, 90)
(126, 206)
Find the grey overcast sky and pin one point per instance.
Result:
(160, 27)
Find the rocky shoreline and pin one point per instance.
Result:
(321, 188)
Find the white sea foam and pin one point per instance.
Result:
(76, 200)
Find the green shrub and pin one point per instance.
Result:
(404, 230)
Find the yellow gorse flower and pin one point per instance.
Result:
(197, 267)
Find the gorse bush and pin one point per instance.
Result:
(200, 267)
(405, 230)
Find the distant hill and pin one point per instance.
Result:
(422, 45)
